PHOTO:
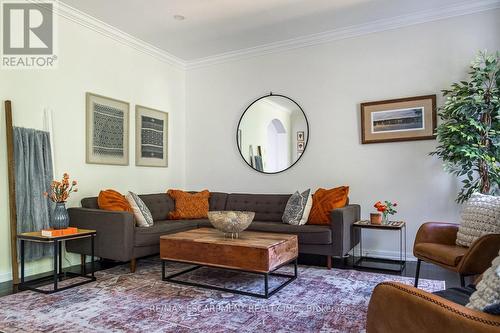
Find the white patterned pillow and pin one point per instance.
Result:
(487, 294)
(142, 214)
(480, 216)
(298, 208)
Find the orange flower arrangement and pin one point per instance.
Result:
(386, 208)
(60, 190)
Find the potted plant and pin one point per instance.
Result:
(469, 135)
(59, 193)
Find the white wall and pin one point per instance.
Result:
(98, 64)
(329, 81)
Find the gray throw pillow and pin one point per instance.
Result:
(142, 214)
(487, 295)
(480, 216)
(298, 208)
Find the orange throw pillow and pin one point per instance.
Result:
(324, 201)
(189, 205)
(112, 200)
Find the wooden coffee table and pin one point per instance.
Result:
(254, 252)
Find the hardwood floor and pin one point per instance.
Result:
(427, 271)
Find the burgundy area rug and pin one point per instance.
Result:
(319, 300)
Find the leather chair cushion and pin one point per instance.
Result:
(449, 255)
(151, 235)
(307, 234)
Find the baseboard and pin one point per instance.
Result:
(39, 269)
(384, 254)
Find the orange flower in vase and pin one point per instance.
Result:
(386, 209)
(59, 193)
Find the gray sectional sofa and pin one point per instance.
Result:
(119, 239)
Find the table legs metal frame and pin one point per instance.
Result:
(267, 293)
(402, 248)
(57, 273)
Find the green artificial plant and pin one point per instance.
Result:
(468, 136)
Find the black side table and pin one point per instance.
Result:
(58, 273)
(390, 265)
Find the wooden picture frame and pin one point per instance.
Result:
(402, 119)
(107, 130)
(151, 137)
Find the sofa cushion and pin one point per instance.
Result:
(189, 205)
(298, 208)
(449, 255)
(151, 235)
(307, 234)
(480, 216)
(267, 207)
(159, 204)
(487, 296)
(324, 201)
(114, 201)
(217, 201)
(142, 214)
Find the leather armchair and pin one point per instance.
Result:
(435, 243)
(396, 307)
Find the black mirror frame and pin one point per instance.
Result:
(306, 141)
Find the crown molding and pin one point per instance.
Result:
(90, 22)
(464, 8)
(74, 15)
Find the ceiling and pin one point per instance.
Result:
(214, 27)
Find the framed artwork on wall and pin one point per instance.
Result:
(300, 146)
(404, 119)
(300, 136)
(151, 137)
(107, 130)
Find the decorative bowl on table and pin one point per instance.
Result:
(231, 223)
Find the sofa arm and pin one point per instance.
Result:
(343, 236)
(396, 307)
(115, 233)
(437, 232)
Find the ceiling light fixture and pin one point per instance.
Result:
(179, 17)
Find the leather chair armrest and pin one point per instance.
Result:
(341, 221)
(437, 232)
(397, 307)
(480, 255)
(115, 232)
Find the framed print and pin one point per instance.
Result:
(300, 136)
(300, 146)
(403, 119)
(107, 130)
(151, 137)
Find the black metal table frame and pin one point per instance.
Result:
(402, 263)
(57, 274)
(267, 293)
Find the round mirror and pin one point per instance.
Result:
(272, 134)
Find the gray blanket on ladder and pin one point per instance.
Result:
(33, 170)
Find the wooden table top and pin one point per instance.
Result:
(37, 235)
(253, 239)
(368, 225)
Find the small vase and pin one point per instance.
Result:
(385, 219)
(60, 217)
(375, 218)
